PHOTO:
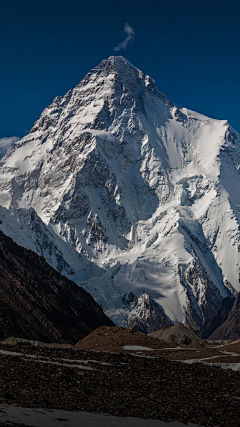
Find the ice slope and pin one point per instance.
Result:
(138, 195)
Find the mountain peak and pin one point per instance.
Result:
(132, 192)
(118, 60)
(118, 69)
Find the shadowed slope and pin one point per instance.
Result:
(36, 302)
(230, 328)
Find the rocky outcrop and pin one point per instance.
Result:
(177, 334)
(145, 314)
(118, 339)
(37, 303)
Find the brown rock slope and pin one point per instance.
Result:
(37, 303)
(113, 338)
(178, 334)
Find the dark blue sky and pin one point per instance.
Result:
(190, 48)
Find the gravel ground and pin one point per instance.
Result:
(120, 384)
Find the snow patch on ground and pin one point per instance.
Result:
(137, 348)
(39, 417)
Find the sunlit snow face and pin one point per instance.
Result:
(6, 143)
(132, 192)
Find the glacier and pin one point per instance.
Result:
(131, 196)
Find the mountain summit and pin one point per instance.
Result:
(133, 197)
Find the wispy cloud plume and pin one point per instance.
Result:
(130, 34)
(6, 143)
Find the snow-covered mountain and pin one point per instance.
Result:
(135, 198)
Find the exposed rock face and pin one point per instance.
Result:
(177, 334)
(230, 328)
(125, 192)
(37, 303)
(145, 314)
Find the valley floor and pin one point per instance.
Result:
(141, 385)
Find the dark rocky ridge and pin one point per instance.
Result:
(220, 317)
(229, 329)
(37, 303)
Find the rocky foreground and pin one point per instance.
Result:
(131, 381)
